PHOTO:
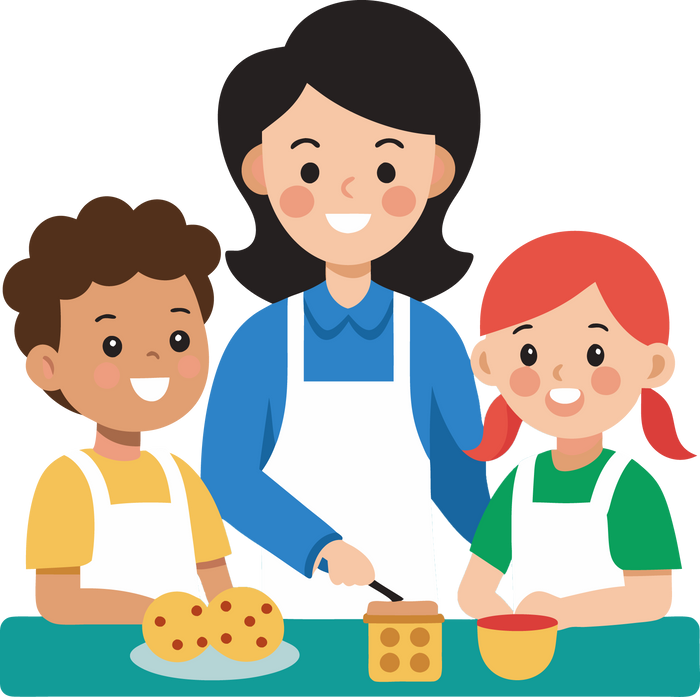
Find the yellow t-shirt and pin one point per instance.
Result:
(61, 527)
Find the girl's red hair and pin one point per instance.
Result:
(548, 272)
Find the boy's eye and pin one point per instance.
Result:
(595, 355)
(528, 354)
(179, 341)
(112, 346)
(386, 173)
(310, 172)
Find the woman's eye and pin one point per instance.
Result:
(386, 173)
(310, 172)
(179, 341)
(528, 354)
(112, 346)
(595, 355)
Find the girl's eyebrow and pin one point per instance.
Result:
(522, 326)
(313, 142)
(597, 326)
(388, 140)
(105, 317)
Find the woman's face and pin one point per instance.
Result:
(346, 189)
(573, 372)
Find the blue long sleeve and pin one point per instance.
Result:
(247, 404)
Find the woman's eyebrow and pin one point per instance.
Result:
(313, 142)
(522, 326)
(597, 326)
(384, 141)
(180, 309)
(105, 317)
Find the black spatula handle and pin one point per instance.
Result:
(394, 597)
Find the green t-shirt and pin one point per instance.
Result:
(640, 529)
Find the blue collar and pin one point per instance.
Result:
(368, 318)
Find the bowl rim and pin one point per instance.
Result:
(517, 622)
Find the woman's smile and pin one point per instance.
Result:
(348, 222)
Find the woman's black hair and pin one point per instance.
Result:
(386, 64)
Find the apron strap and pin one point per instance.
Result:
(295, 339)
(176, 485)
(95, 480)
(402, 338)
(524, 485)
(608, 479)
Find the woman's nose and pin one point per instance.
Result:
(556, 372)
(344, 187)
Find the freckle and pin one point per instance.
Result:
(296, 201)
(399, 201)
(189, 366)
(106, 375)
(605, 380)
(524, 381)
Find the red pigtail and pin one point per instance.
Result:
(657, 422)
(501, 425)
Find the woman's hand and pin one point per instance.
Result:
(543, 604)
(346, 564)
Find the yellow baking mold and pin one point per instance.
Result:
(405, 641)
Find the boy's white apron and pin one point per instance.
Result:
(143, 548)
(350, 452)
(563, 548)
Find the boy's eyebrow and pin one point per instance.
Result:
(105, 317)
(384, 141)
(180, 309)
(313, 142)
(597, 326)
(522, 326)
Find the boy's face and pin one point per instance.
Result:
(132, 357)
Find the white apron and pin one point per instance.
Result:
(350, 452)
(143, 548)
(563, 548)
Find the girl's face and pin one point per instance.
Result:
(573, 372)
(346, 189)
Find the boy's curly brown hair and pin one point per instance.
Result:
(108, 243)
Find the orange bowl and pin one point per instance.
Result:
(517, 647)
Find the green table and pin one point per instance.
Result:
(654, 658)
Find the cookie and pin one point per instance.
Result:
(175, 626)
(244, 624)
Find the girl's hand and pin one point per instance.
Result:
(346, 564)
(543, 604)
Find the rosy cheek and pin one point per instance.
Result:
(605, 380)
(524, 382)
(399, 201)
(106, 375)
(189, 366)
(296, 201)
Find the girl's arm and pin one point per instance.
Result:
(214, 577)
(477, 593)
(646, 596)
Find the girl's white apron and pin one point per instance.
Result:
(563, 548)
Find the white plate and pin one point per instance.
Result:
(211, 665)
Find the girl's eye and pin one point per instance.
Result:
(310, 172)
(595, 355)
(528, 355)
(179, 341)
(112, 346)
(386, 173)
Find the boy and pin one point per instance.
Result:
(112, 308)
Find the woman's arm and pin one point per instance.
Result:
(646, 596)
(61, 600)
(477, 593)
(214, 577)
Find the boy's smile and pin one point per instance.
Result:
(132, 357)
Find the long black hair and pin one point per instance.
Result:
(386, 64)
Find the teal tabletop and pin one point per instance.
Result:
(653, 658)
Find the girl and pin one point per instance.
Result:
(576, 328)
(348, 145)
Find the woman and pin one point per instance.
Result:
(358, 132)
(576, 330)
